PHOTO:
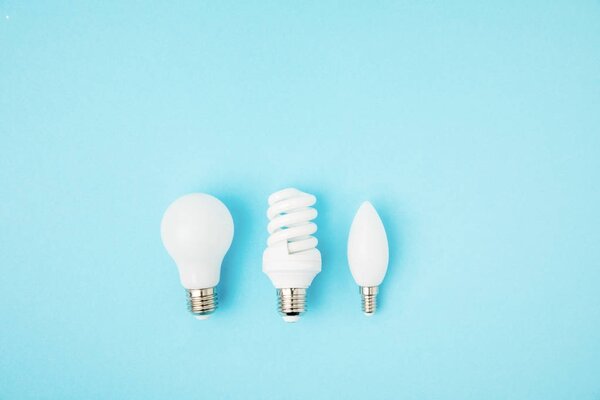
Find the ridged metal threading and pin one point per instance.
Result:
(292, 302)
(202, 301)
(369, 299)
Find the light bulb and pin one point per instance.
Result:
(368, 254)
(291, 259)
(197, 230)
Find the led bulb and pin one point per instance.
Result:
(291, 259)
(368, 254)
(197, 230)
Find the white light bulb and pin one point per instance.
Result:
(291, 259)
(368, 254)
(197, 230)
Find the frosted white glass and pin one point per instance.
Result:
(368, 253)
(197, 230)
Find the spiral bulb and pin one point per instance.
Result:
(291, 259)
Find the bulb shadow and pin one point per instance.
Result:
(332, 245)
(231, 277)
(395, 227)
(333, 240)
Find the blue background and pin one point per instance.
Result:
(474, 129)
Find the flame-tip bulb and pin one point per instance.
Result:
(368, 255)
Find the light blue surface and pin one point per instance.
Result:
(473, 128)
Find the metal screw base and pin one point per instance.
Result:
(369, 299)
(202, 302)
(292, 303)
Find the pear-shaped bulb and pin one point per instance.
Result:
(197, 230)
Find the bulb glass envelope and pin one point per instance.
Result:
(368, 252)
(197, 230)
